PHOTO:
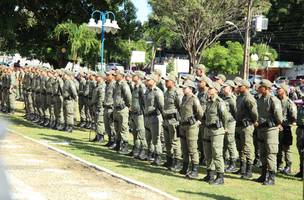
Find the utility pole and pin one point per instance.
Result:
(245, 71)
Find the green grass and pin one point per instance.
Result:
(286, 187)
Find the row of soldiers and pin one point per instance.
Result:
(198, 118)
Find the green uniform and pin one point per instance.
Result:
(171, 124)
(203, 97)
(58, 101)
(191, 112)
(12, 84)
(216, 119)
(69, 94)
(86, 95)
(49, 111)
(82, 99)
(27, 93)
(154, 105)
(285, 137)
(246, 116)
(98, 101)
(229, 139)
(122, 102)
(270, 116)
(137, 119)
(108, 112)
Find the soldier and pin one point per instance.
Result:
(27, 93)
(246, 119)
(137, 118)
(97, 103)
(191, 113)
(200, 70)
(108, 109)
(69, 94)
(86, 94)
(171, 124)
(12, 85)
(270, 119)
(122, 103)
(216, 120)
(154, 105)
(285, 137)
(229, 139)
(220, 79)
(58, 100)
(203, 97)
(82, 84)
(300, 139)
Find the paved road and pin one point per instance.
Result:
(37, 173)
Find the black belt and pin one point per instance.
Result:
(170, 116)
(136, 113)
(108, 106)
(49, 93)
(67, 98)
(153, 113)
(120, 107)
(185, 123)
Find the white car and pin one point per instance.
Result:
(281, 79)
(254, 79)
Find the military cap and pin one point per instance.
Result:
(229, 83)
(151, 77)
(265, 83)
(203, 78)
(171, 77)
(138, 73)
(119, 72)
(188, 83)
(158, 72)
(220, 76)
(242, 82)
(188, 77)
(101, 74)
(200, 66)
(215, 85)
(237, 79)
(110, 72)
(282, 86)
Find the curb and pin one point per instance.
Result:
(89, 164)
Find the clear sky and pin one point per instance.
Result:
(143, 9)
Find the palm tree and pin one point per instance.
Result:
(81, 40)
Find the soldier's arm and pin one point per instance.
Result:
(293, 111)
(160, 101)
(232, 107)
(223, 113)
(277, 110)
(73, 90)
(197, 109)
(127, 95)
(177, 101)
(251, 104)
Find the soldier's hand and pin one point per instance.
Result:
(280, 127)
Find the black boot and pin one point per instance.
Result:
(270, 180)
(168, 162)
(176, 165)
(232, 166)
(242, 169)
(113, 145)
(136, 152)
(109, 142)
(193, 173)
(150, 156)
(219, 179)
(207, 177)
(263, 176)
(46, 123)
(124, 148)
(96, 138)
(211, 177)
(248, 174)
(60, 127)
(287, 169)
(142, 155)
(184, 170)
(157, 160)
(69, 128)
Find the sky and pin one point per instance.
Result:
(143, 9)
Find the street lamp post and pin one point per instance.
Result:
(104, 25)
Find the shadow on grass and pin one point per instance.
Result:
(209, 195)
(94, 149)
(19, 121)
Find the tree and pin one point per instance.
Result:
(226, 59)
(198, 23)
(81, 40)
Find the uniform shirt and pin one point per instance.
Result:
(289, 111)
(82, 85)
(216, 112)
(58, 86)
(109, 92)
(69, 90)
(190, 107)
(270, 110)
(138, 94)
(172, 102)
(49, 85)
(154, 101)
(98, 96)
(230, 101)
(203, 98)
(86, 90)
(122, 94)
(246, 108)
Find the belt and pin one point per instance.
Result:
(108, 106)
(170, 116)
(153, 113)
(136, 113)
(120, 107)
(49, 93)
(67, 98)
(185, 124)
(212, 126)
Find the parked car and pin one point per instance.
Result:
(254, 79)
(295, 81)
(113, 66)
(281, 79)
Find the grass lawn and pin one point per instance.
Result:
(286, 187)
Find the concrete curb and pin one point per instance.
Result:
(89, 164)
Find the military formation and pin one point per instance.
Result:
(193, 120)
